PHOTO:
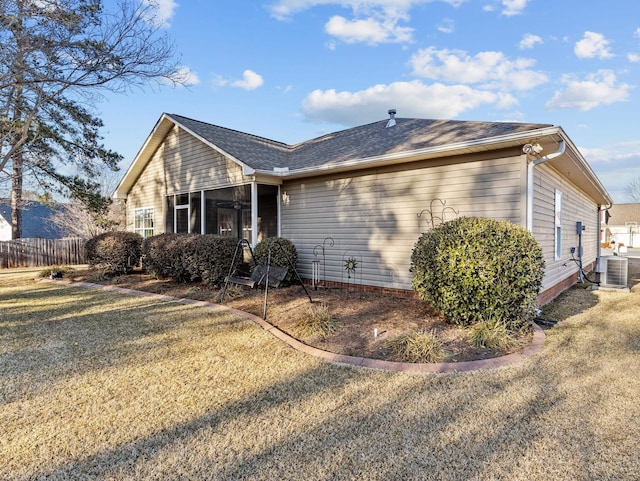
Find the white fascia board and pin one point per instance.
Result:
(143, 156)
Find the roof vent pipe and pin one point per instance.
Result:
(392, 118)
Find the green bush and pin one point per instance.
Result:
(115, 252)
(214, 254)
(156, 256)
(281, 250)
(189, 257)
(474, 269)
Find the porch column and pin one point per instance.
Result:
(254, 214)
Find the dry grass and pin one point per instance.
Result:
(317, 319)
(96, 385)
(417, 346)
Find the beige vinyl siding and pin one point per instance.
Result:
(191, 165)
(181, 164)
(149, 191)
(575, 207)
(374, 216)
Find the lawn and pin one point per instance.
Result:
(97, 385)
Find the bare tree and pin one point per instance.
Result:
(75, 220)
(632, 190)
(57, 59)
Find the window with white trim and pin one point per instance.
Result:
(143, 221)
(558, 225)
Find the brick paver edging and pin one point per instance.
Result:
(440, 367)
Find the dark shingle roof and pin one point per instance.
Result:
(365, 141)
(35, 220)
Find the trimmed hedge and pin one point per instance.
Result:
(279, 255)
(189, 257)
(475, 269)
(116, 252)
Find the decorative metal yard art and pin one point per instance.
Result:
(351, 267)
(315, 263)
(436, 215)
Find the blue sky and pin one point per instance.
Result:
(291, 70)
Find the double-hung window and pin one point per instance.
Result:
(143, 221)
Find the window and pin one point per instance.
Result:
(558, 225)
(182, 214)
(143, 221)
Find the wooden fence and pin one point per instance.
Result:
(42, 252)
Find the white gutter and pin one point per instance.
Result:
(508, 140)
(530, 166)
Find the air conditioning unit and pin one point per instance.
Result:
(614, 271)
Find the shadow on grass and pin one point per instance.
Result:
(74, 330)
(530, 421)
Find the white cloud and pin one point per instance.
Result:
(373, 22)
(637, 33)
(597, 89)
(447, 26)
(285, 9)
(633, 57)
(489, 69)
(412, 99)
(615, 165)
(184, 76)
(513, 7)
(369, 30)
(593, 45)
(529, 41)
(162, 11)
(250, 81)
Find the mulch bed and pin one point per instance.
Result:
(361, 315)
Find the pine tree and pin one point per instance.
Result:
(57, 58)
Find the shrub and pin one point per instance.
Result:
(213, 257)
(116, 252)
(417, 346)
(281, 250)
(164, 256)
(474, 269)
(189, 257)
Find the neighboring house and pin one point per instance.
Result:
(621, 225)
(36, 221)
(367, 193)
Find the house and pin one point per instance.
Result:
(354, 202)
(35, 221)
(621, 225)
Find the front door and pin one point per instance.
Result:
(228, 222)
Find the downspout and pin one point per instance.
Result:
(530, 165)
(598, 248)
